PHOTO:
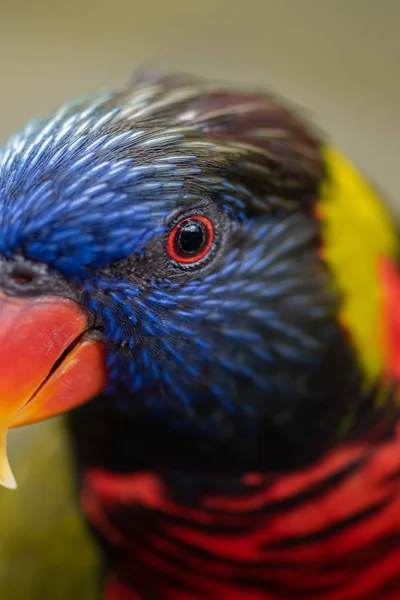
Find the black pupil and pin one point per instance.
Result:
(191, 236)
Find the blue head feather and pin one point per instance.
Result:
(67, 187)
(92, 192)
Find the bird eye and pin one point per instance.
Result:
(191, 239)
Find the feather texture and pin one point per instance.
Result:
(330, 531)
(247, 446)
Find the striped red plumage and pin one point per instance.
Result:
(331, 531)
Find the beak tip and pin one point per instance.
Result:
(9, 483)
(7, 478)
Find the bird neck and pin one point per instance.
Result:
(328, 409)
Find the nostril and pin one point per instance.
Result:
(21, 275)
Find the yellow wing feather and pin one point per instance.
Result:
(357, 231)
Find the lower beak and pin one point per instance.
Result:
(50, 362)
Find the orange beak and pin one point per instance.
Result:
(49, 363)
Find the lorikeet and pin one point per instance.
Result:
(223, 283)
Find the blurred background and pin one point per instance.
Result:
(339, 60)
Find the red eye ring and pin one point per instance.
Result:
(191, 239)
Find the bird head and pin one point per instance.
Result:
(161, 244)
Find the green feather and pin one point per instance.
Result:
(45, 549)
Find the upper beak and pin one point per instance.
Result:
(49, 362)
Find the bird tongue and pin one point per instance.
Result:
(49, 363)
